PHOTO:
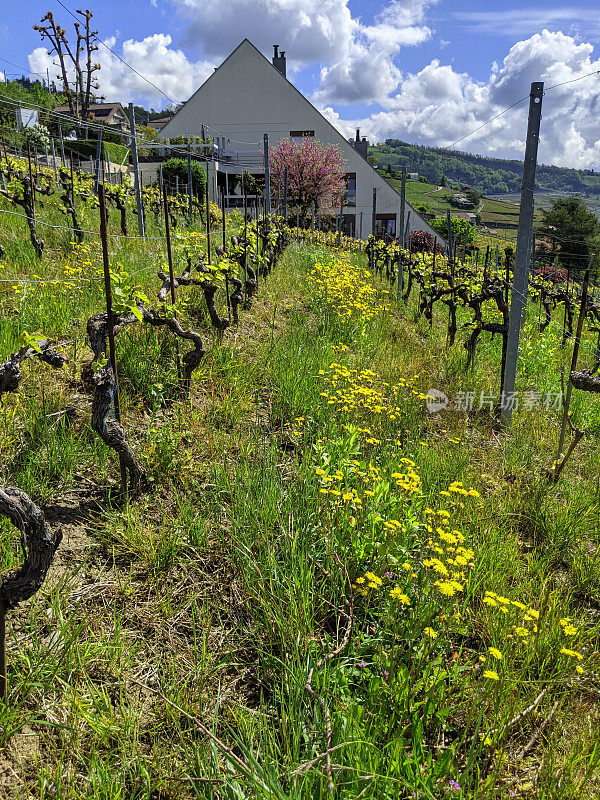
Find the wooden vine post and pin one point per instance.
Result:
(110, 321)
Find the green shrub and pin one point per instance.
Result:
(461, 228)
(178, 168)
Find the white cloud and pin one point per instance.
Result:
(311, 31)
(153, 57)
(438, 105)
(356, 60)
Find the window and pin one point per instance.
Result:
(350, 189)
(385, 225)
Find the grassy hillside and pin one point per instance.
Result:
(431, 199)
(485, 175)
(325, 591)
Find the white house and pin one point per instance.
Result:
(248, 96)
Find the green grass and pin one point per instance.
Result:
(224, 591)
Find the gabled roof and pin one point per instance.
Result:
(97, 109)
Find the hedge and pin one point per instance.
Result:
(116, 153)
(178, 167)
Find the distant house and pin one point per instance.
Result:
(412, 176)
(110, 113)
(468, 215)
(159, 124)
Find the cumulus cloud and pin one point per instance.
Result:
(310, 30)
(356, 60)
(153, 57)
(366, 71)
(439, 105)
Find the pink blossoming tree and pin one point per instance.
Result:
(316, 173)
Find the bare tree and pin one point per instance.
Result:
(75, 59)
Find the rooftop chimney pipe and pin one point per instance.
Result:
(279, 59)
(361, 145)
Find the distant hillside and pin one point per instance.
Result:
(483, 174)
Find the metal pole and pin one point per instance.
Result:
(72, 180)
(224, 249)
(297, 224)
(374, 214)
(62, 145)
(170, 260)
(136, 173)
(267, 178)
(245, 233)
(98, 154)
(189, 166)
(110, 320)
(207, 226)
(31, 183)
(285, 183)
(3, 682)
(402, 202)
(54, 161)
(567, 399)
(521, 269)
(450, 253)
(312, 222)
(360, 227)
(373, 219)
(340, 222)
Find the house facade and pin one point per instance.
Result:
(108, 113)
(248, 96)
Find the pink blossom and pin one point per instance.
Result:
(316, 172)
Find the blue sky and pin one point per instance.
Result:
(427, 71)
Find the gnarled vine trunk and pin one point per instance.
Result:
(38, 544)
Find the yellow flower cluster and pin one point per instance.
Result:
(349, 290)
(451, 560)
(406, 478)
(357, 390)
(526, 620)
(327, 239)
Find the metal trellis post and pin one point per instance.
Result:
(518, 299)
(136, 173)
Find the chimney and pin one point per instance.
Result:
(279, 59)
(360, 145)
